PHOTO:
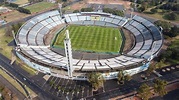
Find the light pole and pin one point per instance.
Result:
(132, 10)
(60, 7)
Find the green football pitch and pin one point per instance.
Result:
(92, 38)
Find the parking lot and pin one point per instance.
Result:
(66, 88)
(169, 69)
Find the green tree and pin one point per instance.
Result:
(153, 10)
(113, 11)
(151, 68)
(76, 11)
(96, 80)
(160, 63)
(144, 92)
(120, 77)
(16, 27)
(128, 77)
(172, 16)
(166, 27)
(8, 31)
(86, 9)
(174, 31)
(159, 87)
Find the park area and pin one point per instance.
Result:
(92, 38)
(21, 2)
(41, 6)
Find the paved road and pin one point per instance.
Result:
(5, 83)
(131, 86)
(4, 62)
(172, 95)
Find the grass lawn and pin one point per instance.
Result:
(161, 15)
(92, 38)
(20, 2)
(37, 7)
(28, 69)
(4, 40)
(13, 15)
(6, 50)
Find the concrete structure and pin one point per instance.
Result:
(68, 53)
(33, 51)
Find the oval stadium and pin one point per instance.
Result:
(95, 42)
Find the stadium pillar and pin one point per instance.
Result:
(68, 53)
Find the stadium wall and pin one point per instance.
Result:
(123, 41)
(107, 76)
(34, 65)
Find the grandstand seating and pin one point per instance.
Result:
(148, 37)
(33, 31)
(85, 19)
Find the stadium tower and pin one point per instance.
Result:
(68, 53)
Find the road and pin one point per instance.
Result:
(6, 83)
(4, 62)
(132, 86)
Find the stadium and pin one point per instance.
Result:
(98, 44)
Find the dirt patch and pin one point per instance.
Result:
(126, 4)
(13, 15)
(78, 6)
(129, 42)
(48, 37)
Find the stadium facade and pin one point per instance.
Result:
(32, 50)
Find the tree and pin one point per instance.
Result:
(174, 31)
(160, 63)
(86, 9)
(34, 1)
(113, 11)
(121, 77)
(76, 11)
(8, 31)
(151, 68)
(172, 16)
(144, 92)
(128, 77)
(23, 10)
(16, 27)
(153, 10)
(166, 27)
(142, 9)
(96, 80)
(159, 87)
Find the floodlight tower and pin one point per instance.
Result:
(60, 7)
(132, 10)
(68, 53)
